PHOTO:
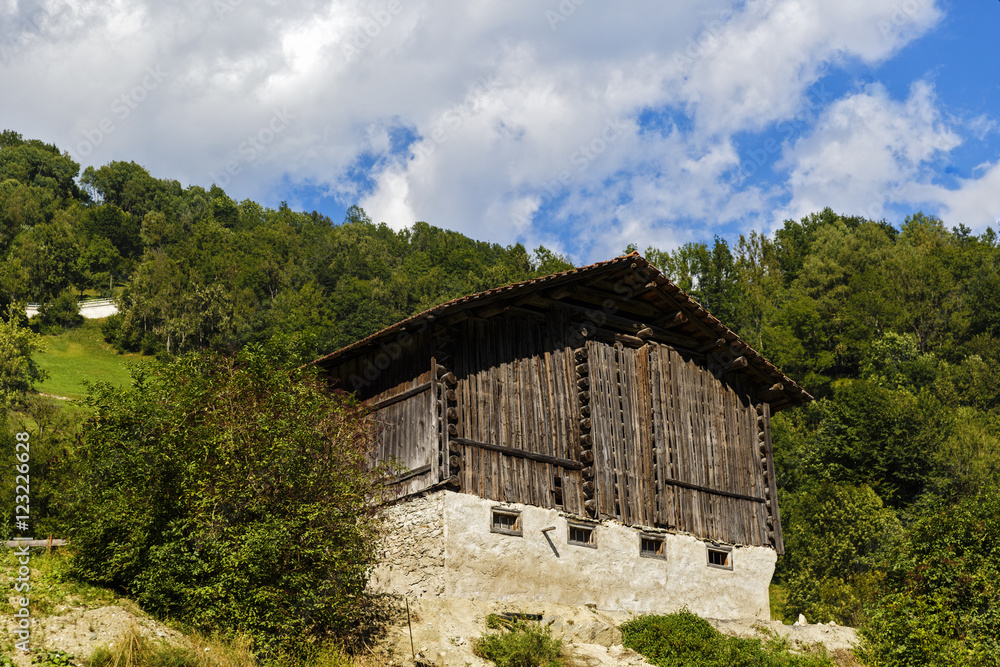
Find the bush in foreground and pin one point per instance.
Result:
(683, 639)
(518, 644)
(232, 495)
(939, 603)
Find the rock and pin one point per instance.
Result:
(598, 632)
(802, 620)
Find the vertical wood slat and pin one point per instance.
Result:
(779, 543)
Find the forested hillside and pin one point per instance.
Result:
(889, 481)
(197, 270)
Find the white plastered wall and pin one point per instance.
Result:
(457, 555)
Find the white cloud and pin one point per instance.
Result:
(975, 203)
(512, 109)
(866, 152)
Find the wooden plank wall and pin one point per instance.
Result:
(706, 436)
(407, 435)
(665, 432)
(406, 427)
(517, 388)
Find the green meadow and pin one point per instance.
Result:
(77, 356)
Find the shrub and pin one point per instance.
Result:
(833, 537)
(519, 644)
(683, 639)
(940, 601)
(232, 495)
(63, 312)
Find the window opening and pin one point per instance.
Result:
(506, 522)
(651, 546)
(721, 557)
(581, 535)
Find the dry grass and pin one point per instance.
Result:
(132, 649)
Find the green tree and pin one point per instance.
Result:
(18, 369)
(940, 602)
(834, 534)
(233, 494)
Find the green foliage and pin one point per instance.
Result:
(231, 494)
(682, 639)
(46, 658)
(518, 644)
(18, 369)
(834, 537)
(940, 601)
(63, 312)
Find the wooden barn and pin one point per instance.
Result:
(596, 429)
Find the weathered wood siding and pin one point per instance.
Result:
(407, 429)
(674, 446)
(517, 388)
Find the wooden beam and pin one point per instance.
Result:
(673, 320)
(716, 344)
(737, 364)
(409, 393)
(416, 472)
(718, 492)
(520, 453)
(559, 293)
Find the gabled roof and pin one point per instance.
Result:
(656, 290)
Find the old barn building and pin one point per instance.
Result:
(593, 436)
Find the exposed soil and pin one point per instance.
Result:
(79, 631)
(444, 630)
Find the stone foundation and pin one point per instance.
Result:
(443, 545)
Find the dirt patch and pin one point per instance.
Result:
(444, 630)
(80, 631)
(833, 637)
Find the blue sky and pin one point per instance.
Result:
(580, 125)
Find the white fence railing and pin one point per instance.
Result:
(89, 308)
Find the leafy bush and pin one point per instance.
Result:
(232, 495)
(940, 602)
(62, 312)
(833, 535)
(683, 639)
(46, 658)
(518, 644)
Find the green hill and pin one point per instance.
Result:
(80, 355)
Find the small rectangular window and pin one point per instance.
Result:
(581, 535)
(506, 522)
(721, 557)
(651, 546)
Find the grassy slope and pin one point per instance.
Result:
(79, 355)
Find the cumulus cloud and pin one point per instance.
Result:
(507, 121)
(868, 151)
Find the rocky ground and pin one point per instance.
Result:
(443, 631)
(79, 630)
